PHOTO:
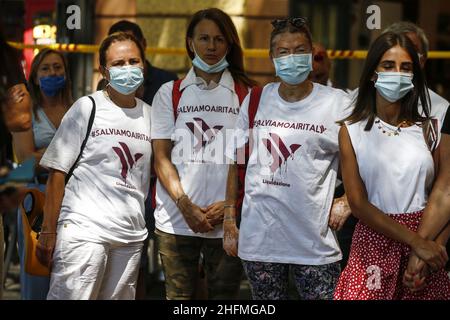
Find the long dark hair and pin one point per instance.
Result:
(365, 106)
(33, 82)
(235, 55)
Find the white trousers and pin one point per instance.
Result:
(84, 270)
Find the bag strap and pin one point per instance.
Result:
(255, 97)
(88, 132)
(176, 95)
(241, 91)
(430, 134)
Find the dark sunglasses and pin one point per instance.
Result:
(282, 23)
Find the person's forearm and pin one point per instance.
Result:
(168, 176)
(443, 237)
(437, 212)
(53, 199)
(231, 192)
(17, 109)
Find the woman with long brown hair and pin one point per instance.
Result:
(190, 192)
(388, 172)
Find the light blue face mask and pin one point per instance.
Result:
(294, 68)
(215, 68)
(393, 85)
(127, 79)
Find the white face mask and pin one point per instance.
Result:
(127, 79)
(294, 68)
(202, 65)
(394, 85)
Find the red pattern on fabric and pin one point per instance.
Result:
(371, 252)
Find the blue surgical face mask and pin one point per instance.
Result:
(294, 68)
(51, 85)
(215, 68)
(127, 79)
(394, 85)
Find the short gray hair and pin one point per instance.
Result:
(407, 27)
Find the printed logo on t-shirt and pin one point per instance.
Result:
(290, 125)
(127, 160)
(279, 156)
(202, 132)
(208, 108)
(279, 151)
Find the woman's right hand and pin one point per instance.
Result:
(230, 237)
(45, 248)
(195, 216)
(435, 255)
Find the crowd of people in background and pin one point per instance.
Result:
(341, 194)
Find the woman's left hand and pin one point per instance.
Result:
(340, 211)
(415, 274)
(214, 213)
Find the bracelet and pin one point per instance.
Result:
(229, 206)
(44, 232)
(179, 199)
(229, 218)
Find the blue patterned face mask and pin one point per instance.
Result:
(127, 79)
(51, 85)
(393, 85)
(215, 68)
(294, 68)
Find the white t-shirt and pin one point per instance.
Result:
(289, 190)
(397, 170)
(105, 196)
(199, 135)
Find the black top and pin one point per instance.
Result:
(446, 125)
(154, 79)
(11, 72)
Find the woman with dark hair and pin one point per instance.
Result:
(50, 90)
(388, 172)
(288, 215)
(196, 111)
(94, 224)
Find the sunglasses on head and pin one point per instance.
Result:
(282, 23)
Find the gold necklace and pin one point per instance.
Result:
(389, 131)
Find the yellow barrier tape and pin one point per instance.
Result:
(248, 53)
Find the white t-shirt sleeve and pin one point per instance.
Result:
(65, 146)
(346, 107)
(162, 118)
(240, 132)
